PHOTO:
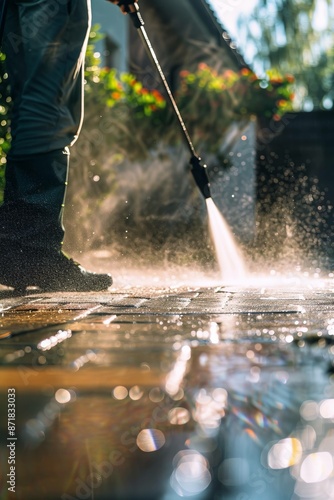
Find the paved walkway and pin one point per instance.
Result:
(204, 392)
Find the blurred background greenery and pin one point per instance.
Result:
(294, 36)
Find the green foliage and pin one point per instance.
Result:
(138, 118)
(295, 36)
(211, 101)
(271, 96)
(122, 118)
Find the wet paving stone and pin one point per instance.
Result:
(164, 393)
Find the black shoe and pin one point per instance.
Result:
(51, 272)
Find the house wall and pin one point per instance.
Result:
(295, 185)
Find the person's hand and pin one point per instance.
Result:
(123, 8)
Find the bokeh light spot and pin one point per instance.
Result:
(316, 467)
(62, 396)
(285, 453)
(326, 408)
(178, 416)
(309, 410)
(135, 393)
(150, 440)
(156, 395)
(120, 392)
(191, 475)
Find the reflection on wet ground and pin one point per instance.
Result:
(197, 392)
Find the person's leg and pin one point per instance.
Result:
(45, 42)
(31, 214)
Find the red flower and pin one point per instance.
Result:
(202, 66)
(281, 102)
(156, 94)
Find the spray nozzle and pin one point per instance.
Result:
(201, 177)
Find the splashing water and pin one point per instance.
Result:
(229, 257)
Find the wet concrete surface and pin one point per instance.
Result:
(215, 392)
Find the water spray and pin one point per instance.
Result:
(198, 169)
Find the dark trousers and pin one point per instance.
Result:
(44, 42)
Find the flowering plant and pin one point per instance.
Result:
(211, 101)
(125, 89)
(120, 109)
(232, 95)
(206, 100)
(270, 96)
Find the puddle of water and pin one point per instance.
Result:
(252, 419)
(269, 411)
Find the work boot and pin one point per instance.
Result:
(50, 272)
(31, 228)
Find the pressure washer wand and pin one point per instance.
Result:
(197, 168)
